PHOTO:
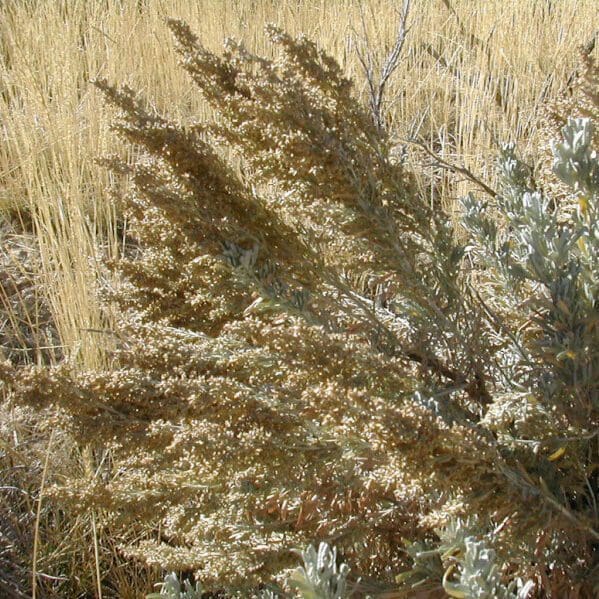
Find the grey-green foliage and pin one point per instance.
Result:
(575, 161)
(320, 577)
(539, 258)
(480, 576)
(172, 588)
(551, 260)
(545, 257)
(428, 558)
(464, 562)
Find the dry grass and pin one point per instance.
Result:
(473, 74)
(468, 78)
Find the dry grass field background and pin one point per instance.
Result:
(473, 74)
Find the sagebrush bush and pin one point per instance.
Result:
(579, 100)
(307, 352)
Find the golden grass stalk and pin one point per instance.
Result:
(36, 533)
(474, 73)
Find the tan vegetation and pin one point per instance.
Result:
(462, 94)
(471, 75)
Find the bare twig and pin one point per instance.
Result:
(462, 170)
(377, 83)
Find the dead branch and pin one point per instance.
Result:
(462, 170)
(377, 83)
